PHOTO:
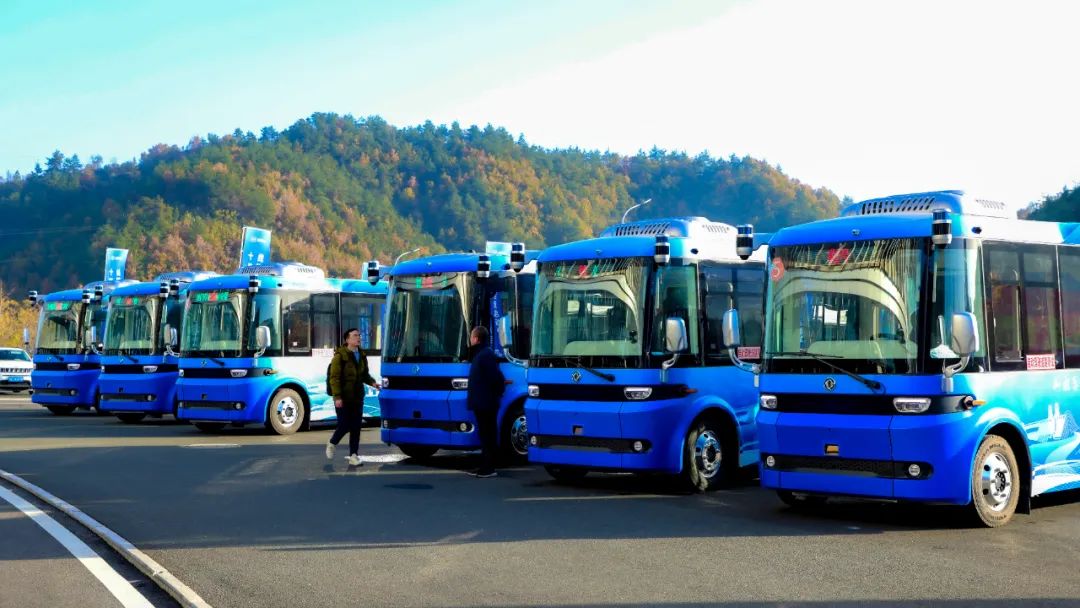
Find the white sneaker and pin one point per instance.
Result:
(354, 461)
(330, 451)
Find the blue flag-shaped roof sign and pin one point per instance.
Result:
(256, 247)
(115, 264)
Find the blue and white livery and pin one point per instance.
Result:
(256, 345)
(923, 347)
(628, 370)
(433, 304)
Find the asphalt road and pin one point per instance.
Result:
(250, 519)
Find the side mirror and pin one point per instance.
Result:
(675, 338)
(26, 336)
(965, 336)
(506, 337)
(88, 336)
(262, 337)
(170, 335)
(732, 337)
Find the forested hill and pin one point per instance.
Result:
(338, 191)
(1063, 207)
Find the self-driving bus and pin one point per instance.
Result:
(433, 304)
(628, 371)
(256, 345)
(67, 354)
(922, 347)
(139, 366)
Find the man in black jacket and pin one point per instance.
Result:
(486, 386)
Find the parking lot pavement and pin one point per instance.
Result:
(246, 518)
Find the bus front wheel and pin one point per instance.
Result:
(995, 482)
(515, 436)
(287, 413)
(706, 458)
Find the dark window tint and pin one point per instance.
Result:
(1070, 302)
(1024, 320)
(324, 316)
(297, 324)
(739, 288)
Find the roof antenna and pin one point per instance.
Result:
(627, 212)
(410, 252)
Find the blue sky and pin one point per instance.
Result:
(865, 98)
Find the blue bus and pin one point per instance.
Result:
(628, 370)
(922, 347)
(139, 367)
(433, 304)
(67, 355)
(256, 345)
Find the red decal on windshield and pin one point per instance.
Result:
(777, 270)
(838, 255)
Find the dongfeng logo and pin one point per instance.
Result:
(576, 376)
(202, 363)
(416, 370)
(830, 384)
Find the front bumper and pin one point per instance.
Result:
(142, 393)
(869, 455)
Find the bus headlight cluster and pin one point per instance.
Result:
(914, 470)
(637, 393)
(532, 440)
(238, 406)
(385, 382)
(638, 446)
(73, 392)
(238, 373)
(911, 405)
(73, 367)
(770, 461)
(460, 384)
(768, 402)
(149, 397)
(385, 422)
(534, 390)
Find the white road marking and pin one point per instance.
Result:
(116, 584)
(211, 446)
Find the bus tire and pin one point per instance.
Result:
(417, 452)
(514, 446)
(707, 460)
(61, 410)
(210, 427)
(286, 412)
(995, 483)
(131, 418)
(566, 474)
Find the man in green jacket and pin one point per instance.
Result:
(348, 375)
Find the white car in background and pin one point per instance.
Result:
(15, 368)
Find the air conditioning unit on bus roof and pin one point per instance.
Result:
(671, 227)
(955, 201)
(286, 270)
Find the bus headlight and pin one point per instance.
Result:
(770, 461)
(911, 405)
(73, 367)
(914, 470)
(460, 384)
(238, 373)
(768, 402)
(385, 382)
(532, 440)
(534, 390)
(637, 393)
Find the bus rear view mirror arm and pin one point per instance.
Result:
(964, 341)
(262, 340)
(733, 339)
(675, 342)
(170, 340)
(505, 333)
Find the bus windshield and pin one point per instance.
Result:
(429, 318)
(590, 310)
(212, 324)
(854, 303)
(131, 326)
(58, 328)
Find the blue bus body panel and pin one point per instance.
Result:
(661, 424)
(1041, 406)
(145, 392)
(213, 399)
(410, 417)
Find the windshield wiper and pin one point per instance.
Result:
(871, 384)
(595, 372)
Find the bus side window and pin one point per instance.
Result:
(1024, 314)
(1070, 301)
(719, 288)
(324, 321)
(297, 313)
